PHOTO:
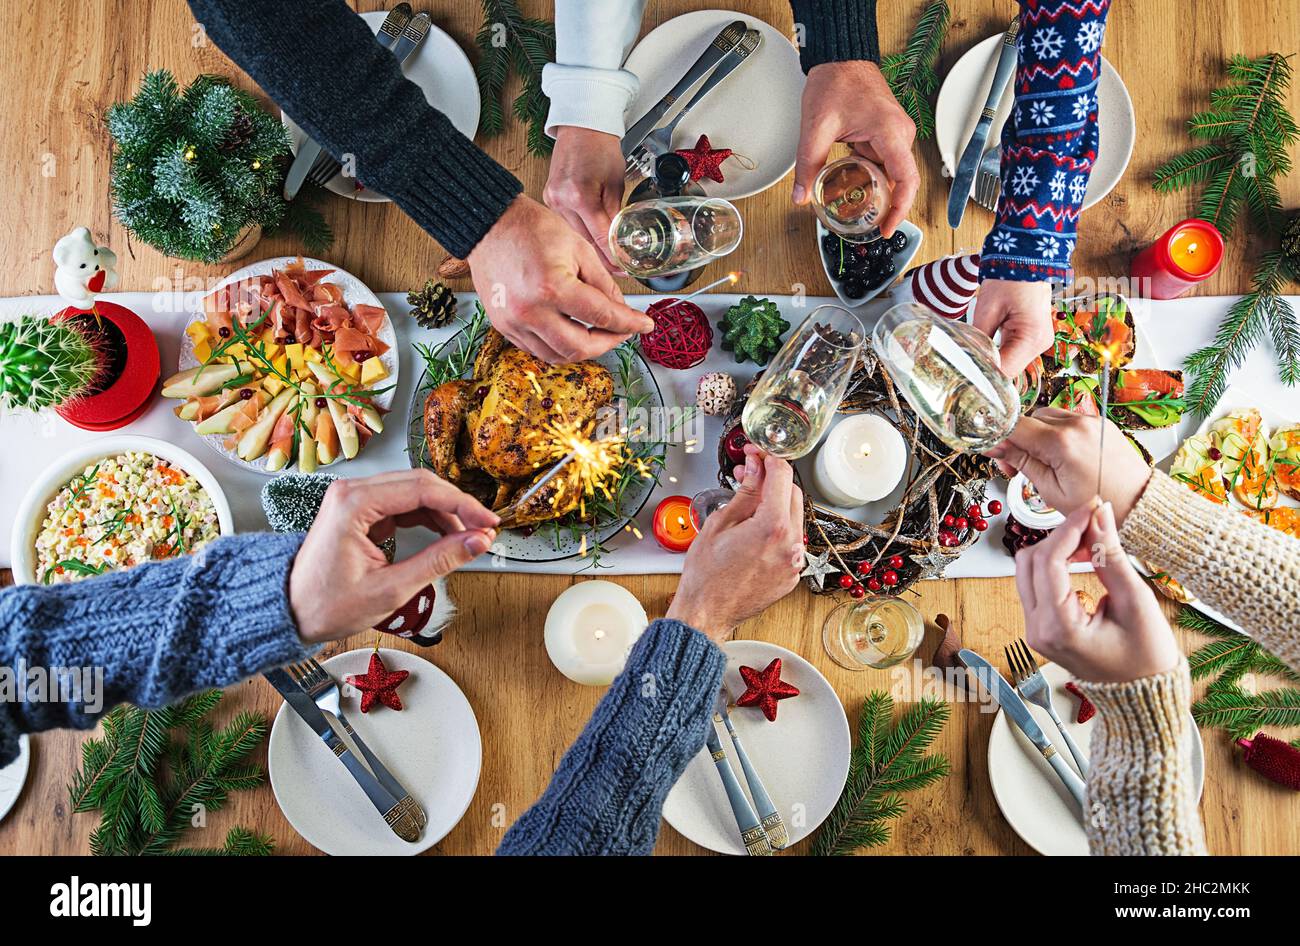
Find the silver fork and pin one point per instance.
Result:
(1032, 685)
(324, 691)
(660, 141)
(987, 181)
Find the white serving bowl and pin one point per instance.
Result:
(31, 512)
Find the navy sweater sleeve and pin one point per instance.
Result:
(608, 793)
(835, 31)
(150, 634)
(319, 61)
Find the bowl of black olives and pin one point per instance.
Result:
(861, 271)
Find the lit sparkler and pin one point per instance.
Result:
(731, 278)
(1110, 349)
(593, 465)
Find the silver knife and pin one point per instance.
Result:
(412, 36)
(773, 823)
(1002, 691)
(751, 831)
(722, 44)
(390, 31)
(395, 814)
(970, 158)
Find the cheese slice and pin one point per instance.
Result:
(372, 370)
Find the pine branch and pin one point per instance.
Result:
(911, 75)
(1244, 714)
(1242, 328)
(889, 759)
(508, 40)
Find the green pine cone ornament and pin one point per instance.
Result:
(433, 306)
(752, 330)
(45, 364)
(1291, 246)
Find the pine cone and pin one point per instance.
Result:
(433, 306)
(752, 329)
(1291, 246)
(239, 135)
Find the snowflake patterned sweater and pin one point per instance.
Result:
(1049, 143)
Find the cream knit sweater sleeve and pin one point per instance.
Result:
(1140, 793)
(1242, 568)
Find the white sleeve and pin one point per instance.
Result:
(586, 84)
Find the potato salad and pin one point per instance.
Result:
(119, 512)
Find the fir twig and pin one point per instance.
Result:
(509, 40)
(889, 759)
(911, 75)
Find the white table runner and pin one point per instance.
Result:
(29, 444)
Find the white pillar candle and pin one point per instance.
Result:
(862, 460)
(590, 629)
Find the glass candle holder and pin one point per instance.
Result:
(875, 632)
(948, 372)
(673, 528)
(792, 403)
(850, 196)
(1186, 254)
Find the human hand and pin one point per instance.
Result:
(1023, 311)
(540, 282)
(1128, 636)
(1057, 450)
(341, 583)
(749, 553)
(851, 102)
(585, 185)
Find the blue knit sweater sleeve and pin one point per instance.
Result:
(148, 635)
(607, 794)
(1049, 142)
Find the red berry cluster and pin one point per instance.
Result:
(870, 580)
(955, 527)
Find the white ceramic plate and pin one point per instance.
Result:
(13, 776)
(966, 87)
(803, 757)
(354, 292)
(444, 74)
(31, 512)
(1028, 791)
(432, 747)
(1236, 396)
(901, 262)
(754, 111)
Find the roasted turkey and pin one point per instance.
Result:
(481, 433)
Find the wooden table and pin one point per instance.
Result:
(1169, 53)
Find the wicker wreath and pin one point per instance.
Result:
(939, 481)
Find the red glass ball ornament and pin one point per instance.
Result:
(962, 524)
(890, 577)
(950, 520)
(857, 591)
(873, 584)
(864, 568)
(734, 445)
(846, 581)
(980, 524)
(995, 507)
(681, 337)
(895, 561)
(974, 511)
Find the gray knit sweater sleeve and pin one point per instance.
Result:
(148, 635)
(320, 63)
(607, 795)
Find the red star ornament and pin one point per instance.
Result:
(705, 160)
(765, 687)
(379, 684)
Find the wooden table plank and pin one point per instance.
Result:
(1169, 53)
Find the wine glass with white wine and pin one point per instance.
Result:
(666, 235)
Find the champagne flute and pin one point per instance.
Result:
(850, 196)
(948, 372)
(666, 235)
(800, 391)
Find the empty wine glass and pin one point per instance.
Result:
(666, 235)
(878, 633)
(850, 196)
(706, 502)
(948, 372)
(800, 391)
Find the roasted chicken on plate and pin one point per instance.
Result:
(483, 434)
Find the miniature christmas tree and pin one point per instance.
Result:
(752, 329)
(45, 364)
(194, 168)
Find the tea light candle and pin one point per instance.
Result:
(1187, 253)
(590, 630)
(673, 528)
(862, 460)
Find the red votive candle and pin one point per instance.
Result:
(672, 524)
(1187, 253)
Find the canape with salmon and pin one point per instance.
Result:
(1083, 331)
(1146, 398)
(288, 370)
(1242, 439)
(1285, 445)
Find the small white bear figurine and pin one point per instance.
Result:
(83, 269)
